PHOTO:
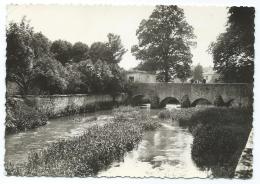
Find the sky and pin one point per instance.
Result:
(92, 23)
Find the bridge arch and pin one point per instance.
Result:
(137, 99)
(140, 99)
(167, 100)
(200, 101)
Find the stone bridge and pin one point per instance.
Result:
(241, 94)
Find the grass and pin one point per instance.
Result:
(220, 135)
(179, 114)
(87, 154)
(21, 116)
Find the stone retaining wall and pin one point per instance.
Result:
(61, 105)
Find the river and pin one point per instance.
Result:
(165, 152)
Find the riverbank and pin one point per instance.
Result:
(220, 135)
(20, 117)
(29, 112)
(86, 154)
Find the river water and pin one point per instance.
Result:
(165, 152)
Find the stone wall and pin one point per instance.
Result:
(61, 105)
(241, 94)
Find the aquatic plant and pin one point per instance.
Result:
(87, 154)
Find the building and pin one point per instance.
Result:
(138, 76)
(210, 75)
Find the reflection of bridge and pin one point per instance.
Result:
(242, 94)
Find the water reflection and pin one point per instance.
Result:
(162, 153)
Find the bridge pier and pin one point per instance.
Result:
(232, 94)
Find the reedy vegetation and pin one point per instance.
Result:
(220, 135)
(87, 154)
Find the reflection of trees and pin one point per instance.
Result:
(164, 142)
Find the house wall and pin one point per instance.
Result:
(142, 77)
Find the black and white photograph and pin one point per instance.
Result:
(104, 91)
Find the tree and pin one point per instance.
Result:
(183, 71)
(99, 51)
(198, 73)
(40, 45)
(164, 42)
(48, 75)
(61, 50)
(20, 54)
(233, 51)
(79, 52)
(116, 48)
(110, 52)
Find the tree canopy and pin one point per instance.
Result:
(164, 44)
(61, 50)
(20, 53)
(79, 52)
(233, 51)
(198, 73)
(110, 51)
(38, 66)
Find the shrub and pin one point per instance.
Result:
(185, 101)
(220, 134)
(155, 102)
(219, 101)
(221, 116)
(20, 116)
(135, 115)
(165, 114)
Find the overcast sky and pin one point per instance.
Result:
(89, 24)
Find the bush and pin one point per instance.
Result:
(220, 116)
(165, 114)
(219, 101)
(20, 116)
(185, 101)
(220, 134)
(155, 102)
(183, 115)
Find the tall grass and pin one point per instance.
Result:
(180, 114)
(87, 154)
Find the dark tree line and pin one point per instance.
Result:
(233, 51)
(39, 66)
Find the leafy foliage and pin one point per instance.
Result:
(164, 43)
(220, 134)
(185, 101)
(61, 50)
(19, 54)
(198, 73)
(48, 75)
(41, 67)
(233, 51)
(79, 52)
(21, 116)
